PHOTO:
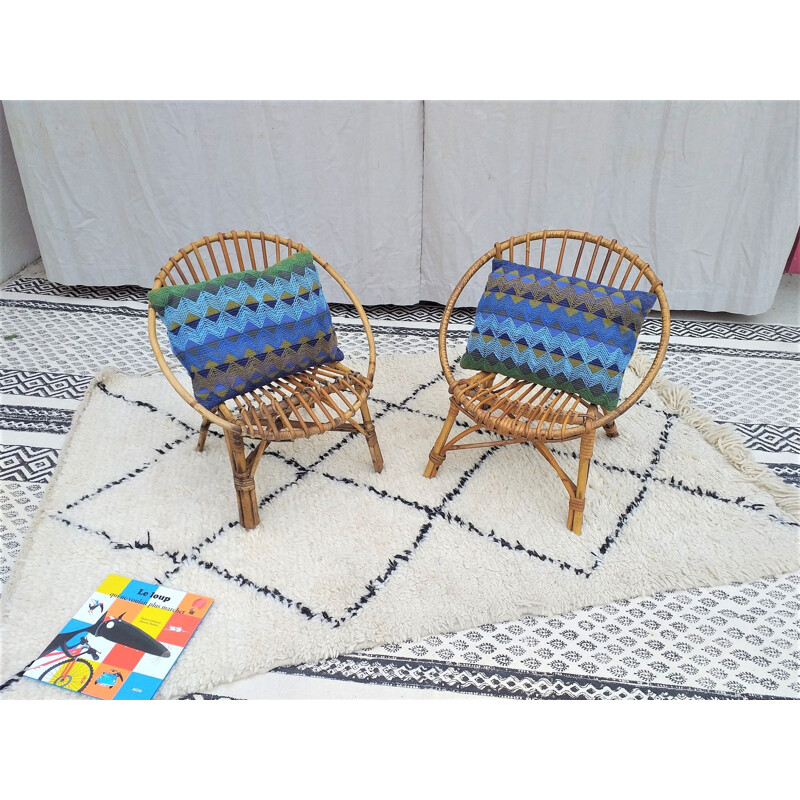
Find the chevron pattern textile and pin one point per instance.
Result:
(555, 330)
(240, 331)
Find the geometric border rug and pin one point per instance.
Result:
(345, 559)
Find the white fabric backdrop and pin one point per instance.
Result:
(115, 188)
(706, 192)
(17, 240)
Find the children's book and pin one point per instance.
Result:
(122, 641)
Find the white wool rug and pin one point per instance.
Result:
(345, 558)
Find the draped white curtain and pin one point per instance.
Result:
(115, 188)
(706, 192)
(17, 240)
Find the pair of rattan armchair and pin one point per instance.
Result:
(330, 397)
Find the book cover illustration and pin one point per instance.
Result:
(123, 641)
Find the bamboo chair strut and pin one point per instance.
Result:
(323, 398)
(521, 411)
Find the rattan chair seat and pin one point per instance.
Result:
(521, 409)
(314, 401)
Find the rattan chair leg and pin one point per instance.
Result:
(201, 440)
(611, 429)
(577, 503)
(243, 480)
(437, 455)
(372, 439)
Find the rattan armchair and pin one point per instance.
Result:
(319, 399)
(521, 411)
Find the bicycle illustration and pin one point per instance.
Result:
(66, 666)
(72, 672)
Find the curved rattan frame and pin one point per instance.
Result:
(635, 269)
(164, 278)
(298, 394)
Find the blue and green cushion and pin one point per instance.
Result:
(555, 330)
(240, 331)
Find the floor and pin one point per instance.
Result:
(737, 641)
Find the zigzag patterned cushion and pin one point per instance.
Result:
(239, 331)
(555, 330)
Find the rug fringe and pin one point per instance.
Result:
(678, 397)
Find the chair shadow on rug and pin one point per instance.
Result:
(521, 410)
(320, 398)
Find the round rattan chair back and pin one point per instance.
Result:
(236, 251)
(582, 255)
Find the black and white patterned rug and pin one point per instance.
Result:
(733, 641)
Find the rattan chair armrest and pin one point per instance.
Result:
(448, 310)
(175, 383)
(359, 308)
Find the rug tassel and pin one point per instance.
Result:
(724, 437)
